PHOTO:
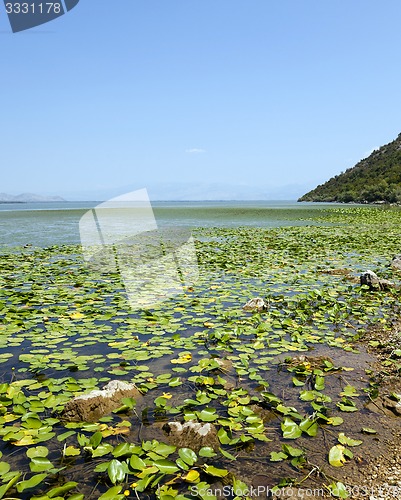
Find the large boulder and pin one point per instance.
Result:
(396, 262)
(373, 281)
(98, 403)
(192, 434)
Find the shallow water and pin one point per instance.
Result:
(47, 224)
(62, 323)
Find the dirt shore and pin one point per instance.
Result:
(375, 472)
(382, 473)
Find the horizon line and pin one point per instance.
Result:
(176, 201)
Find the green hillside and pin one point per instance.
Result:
(376, 178)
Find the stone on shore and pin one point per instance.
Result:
(393, 405)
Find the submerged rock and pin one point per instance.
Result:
(396, 262)
(98, 403)
(191, 434)
(337, 272)
(257, 304)
(371, 279)
(225, 365)
(312, 361)
(315, 361)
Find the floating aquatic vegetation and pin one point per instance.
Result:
(257, 376)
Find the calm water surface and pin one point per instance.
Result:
(46, 224)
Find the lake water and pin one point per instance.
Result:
(47, 224)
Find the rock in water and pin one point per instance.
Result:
(257, 304)
(396, 262)
(371, 279)
(395, 406)
(98, 403)
(191, 434)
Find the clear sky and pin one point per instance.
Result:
(197, 98)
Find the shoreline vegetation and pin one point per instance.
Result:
(375, 179)
(302, 394)
(371, 204)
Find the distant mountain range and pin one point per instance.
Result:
(27, 198)
(375, 179)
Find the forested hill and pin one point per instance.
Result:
(376, 178)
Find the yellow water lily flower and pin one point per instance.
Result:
(77, 315)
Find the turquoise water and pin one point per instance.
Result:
(47, 224)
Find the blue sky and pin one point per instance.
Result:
(197, 99)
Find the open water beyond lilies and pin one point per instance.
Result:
(285, 388)
(47, 224)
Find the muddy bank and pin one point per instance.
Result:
(375, 469)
